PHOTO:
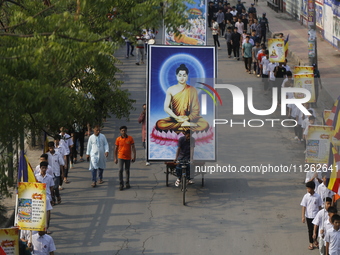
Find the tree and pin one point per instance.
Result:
(57, 63)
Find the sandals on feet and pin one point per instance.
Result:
(310, 247)
(178, 181)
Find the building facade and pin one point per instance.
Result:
(327, 17)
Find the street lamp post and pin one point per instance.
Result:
(312, 39)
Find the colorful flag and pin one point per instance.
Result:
(336, 122)
(333, 182)
(286, 45)
(334, 111)
(25, 171)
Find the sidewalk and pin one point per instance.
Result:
(328, 56)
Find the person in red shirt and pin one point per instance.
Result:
(122, 155)
(260, 55)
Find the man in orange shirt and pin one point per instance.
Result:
(122, 155)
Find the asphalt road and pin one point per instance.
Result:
(234, 213)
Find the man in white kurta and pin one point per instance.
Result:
(97, 152)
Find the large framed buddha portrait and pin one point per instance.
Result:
(181, 97)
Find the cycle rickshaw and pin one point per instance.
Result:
(171, 169)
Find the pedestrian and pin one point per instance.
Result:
(78, 141)
(228, 16)
(234, 11)
(245, 19)
(215, 32)
(56, 161)
(23, 248)
(142, 120)
(255, 39)
(323, 191)
(271, 67)
(317, 83)
(220, 21)
(60, 146)
(264, 27)
(264, 65)
(254, 52)
(139, 51)
(97, 152)
(236, 42)
(311, 203)
(129, 46)
(318, 222)
(297, 116)
(69, 159)
(43, 177)
(288, 83)
(240, 26)
(252, 10)
(247, 54)
(227, 37)
(239, 7)
(287, 66)
(280, 74)
(328, 225)
(257, 28)
(185, 151)
(43, 244)
(244, 35)
(211, 12)
(124, 148)
(310, 121)
(332, 237)
(43, 157)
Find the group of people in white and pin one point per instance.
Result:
(53, 171)
(320, 212)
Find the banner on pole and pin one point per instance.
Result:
(276, 48)
(9, 241)
(317, 144)
(303, 70)
(195, 34)
(305, 81)
(31, 211)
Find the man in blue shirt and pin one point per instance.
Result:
(264, 27)
(247, 54)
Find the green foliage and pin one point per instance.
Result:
(57, 61)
